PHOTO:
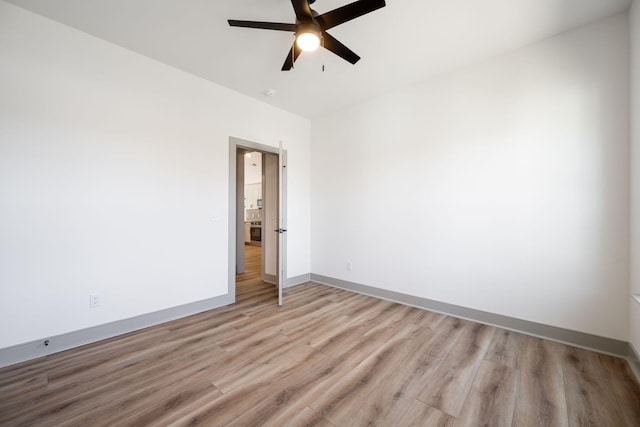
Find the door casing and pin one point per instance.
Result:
(236, 217)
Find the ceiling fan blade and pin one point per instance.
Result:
(302, 9)
(263, 25)
(293, 54)
(332, 44)
(348, 12)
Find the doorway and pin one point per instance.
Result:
(257, 193)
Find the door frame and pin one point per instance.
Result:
(235, 234)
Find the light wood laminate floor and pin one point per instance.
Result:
(328, 357)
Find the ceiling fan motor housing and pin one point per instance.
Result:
(311, 27)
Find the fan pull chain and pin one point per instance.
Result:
(322, 41)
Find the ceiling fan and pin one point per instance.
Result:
(311, 28)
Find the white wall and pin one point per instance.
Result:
(634, 333)
(112, 168)
(501, 187)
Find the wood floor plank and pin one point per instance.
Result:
(132, 361)
(370, 325)
(251, 339)
(352, 352)
(423, 318)
(295, 391)
(268, 396)
(147, 403)
(277, 362)
(291, 315)
(405, 383)
(327, 357)
(625, 389)
(386, 405)
(591, 399)
(389, 324)
(305, 417)
(342, 404)
(86, 388)
(317, 327)
(541, 393)
(506, 348)
(492, 398)
(420, 415)
(452, 380)
(60, 407)
(297, 417)
(448, 333)
(337, 401)
(24, 386)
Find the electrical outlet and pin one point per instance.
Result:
(349, 266)
(95, 300)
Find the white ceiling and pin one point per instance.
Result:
(406, 42)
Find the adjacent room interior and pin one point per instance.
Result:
(350, 241)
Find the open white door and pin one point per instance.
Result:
(282, 230)
(274, 214)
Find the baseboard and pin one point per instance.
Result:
(579, 339)
(35, 349)
(298, 280)
(634, 361)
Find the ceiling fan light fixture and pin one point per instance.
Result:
(308, 36)
(308, 41)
